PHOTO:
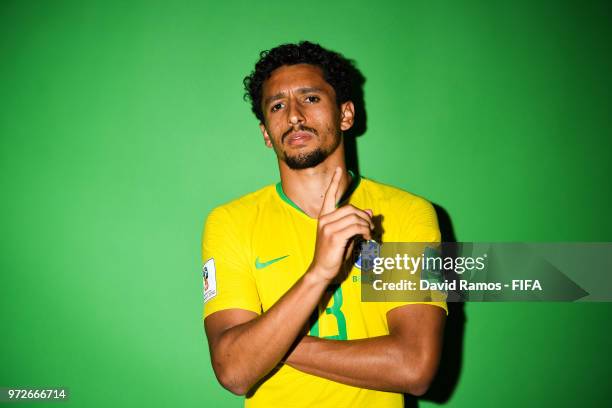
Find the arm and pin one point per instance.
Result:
(405, 360)
(245, 347)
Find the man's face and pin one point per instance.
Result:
(303, 123)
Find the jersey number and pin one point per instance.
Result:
(333, 310)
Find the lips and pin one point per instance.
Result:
(298, 138)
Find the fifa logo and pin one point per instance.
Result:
(205, 278)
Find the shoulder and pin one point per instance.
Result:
(394, 197)
(233, 220)
(245, 206)
(406, 217)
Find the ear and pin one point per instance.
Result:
(266, 137)
(347, 115)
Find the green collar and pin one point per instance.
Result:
(349, 191)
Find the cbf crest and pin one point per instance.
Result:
(364, 254)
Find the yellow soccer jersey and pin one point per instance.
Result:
(256, 247)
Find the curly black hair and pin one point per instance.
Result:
(337, 70)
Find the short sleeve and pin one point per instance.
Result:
(227, 278)
(419, 224)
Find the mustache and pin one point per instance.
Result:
(301, 128)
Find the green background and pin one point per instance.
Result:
(122, 126)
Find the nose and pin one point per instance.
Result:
(295, 114)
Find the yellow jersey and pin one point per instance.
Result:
(256, 247)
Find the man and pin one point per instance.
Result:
(276, 258)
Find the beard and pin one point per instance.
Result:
(313, 158)
(306, 160)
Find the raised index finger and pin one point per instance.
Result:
(329, 201)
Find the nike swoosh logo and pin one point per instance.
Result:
(260, 265)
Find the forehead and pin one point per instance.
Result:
(291, 77)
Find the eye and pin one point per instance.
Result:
(312, 99)
(276, 107)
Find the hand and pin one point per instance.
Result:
(335, 229)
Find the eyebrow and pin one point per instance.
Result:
(300, 91)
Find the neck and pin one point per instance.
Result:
(307, 187)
